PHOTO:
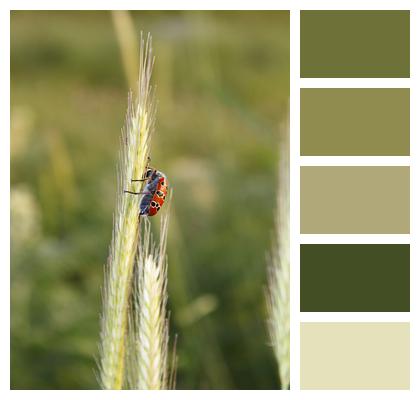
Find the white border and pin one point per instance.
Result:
(294, 5)
(354, 317)
(354, 161)
(326, 83)
(414, 198)
(295, 83)
(294, 199)
(5, 194)
(309, 238)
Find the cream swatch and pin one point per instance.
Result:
(355, 356)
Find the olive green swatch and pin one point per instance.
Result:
(355, 122)
(355, 355)
(355, 200)
(355, 278)
(355, 44)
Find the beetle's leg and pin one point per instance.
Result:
(139, 180)
(129, 191)
(148, 162)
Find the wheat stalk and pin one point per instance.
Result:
(134, 151)
(279, 270)
(127, 42)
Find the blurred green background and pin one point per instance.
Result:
(223, 86)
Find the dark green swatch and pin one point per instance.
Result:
(355, 122)
(355, 44)
(354, 277)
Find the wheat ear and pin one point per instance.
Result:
(134, 151)
(279, 270)
(149, 324)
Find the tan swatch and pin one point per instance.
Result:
(355, 200)
(355, 355)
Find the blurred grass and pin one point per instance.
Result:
(223, 86)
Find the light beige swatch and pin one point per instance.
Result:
(355, 200)
(355, 355)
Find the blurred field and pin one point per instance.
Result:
(223, 86)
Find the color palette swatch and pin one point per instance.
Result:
(355, 122)
(355, 199)
(354, 192)
(355, 355)
(355, 277)
(355, 44)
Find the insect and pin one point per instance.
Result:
(154, 192)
